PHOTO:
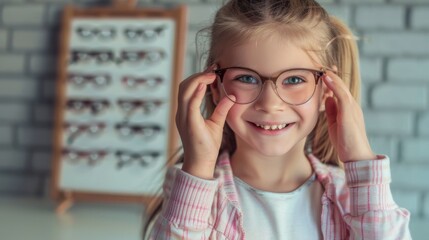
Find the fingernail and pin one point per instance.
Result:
(232, 98)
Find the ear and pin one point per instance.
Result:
(326, 92)
(215, 90)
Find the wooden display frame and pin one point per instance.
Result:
(66, 197)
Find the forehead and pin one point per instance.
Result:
(267, 55)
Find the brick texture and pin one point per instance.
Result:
(416, 150)
(380, 17)
(400, 96)
(408, 69)
(419, 18)
(23, 15)
(389, 123)
(396, 43)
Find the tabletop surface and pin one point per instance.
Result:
(35, 218)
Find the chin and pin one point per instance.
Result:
(273, 152)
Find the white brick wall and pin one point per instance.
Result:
(419, 19)
(396, 43)
(400, 96)
(416, 150)
(385, 145)
(23, 15)
(16, 112)
(13, 160)
(31, 40)
(4, 34)
(371, 69)
(388, 17)
(406, 69)
(394, 61)
(423, 125)
(12, 63)
(389, 123)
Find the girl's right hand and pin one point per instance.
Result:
(201, 138)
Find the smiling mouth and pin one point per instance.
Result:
(272, 127)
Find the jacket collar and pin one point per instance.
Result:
(323, 175)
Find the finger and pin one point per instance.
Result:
(211, 68)
(188, 89)
(190, 85)
(197, 99)
(331, 110)
(222, 109)
(338, 87)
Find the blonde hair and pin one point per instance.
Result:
(306, 24)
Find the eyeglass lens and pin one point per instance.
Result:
(295, 86)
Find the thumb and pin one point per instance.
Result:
(222, 109)
(331, 110)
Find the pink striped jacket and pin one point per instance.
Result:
(355, 205)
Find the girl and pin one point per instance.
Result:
(282, 152)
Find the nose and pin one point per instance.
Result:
(269, 99)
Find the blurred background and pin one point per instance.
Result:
(394, 46)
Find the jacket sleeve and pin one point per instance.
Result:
(373, 213)
(186, 208)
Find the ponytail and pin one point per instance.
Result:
(342, 51)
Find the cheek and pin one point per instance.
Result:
(310, 110)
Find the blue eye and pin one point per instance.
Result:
(293, 80)
(247, 79)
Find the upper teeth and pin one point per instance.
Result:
(272, 127)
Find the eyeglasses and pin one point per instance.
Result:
(91, 156)
(76, 129)
(102, 33)
(294, 86)
(143, 33)
(127, 157)
(130, 130)
(81, 80)
(149, 81)
(95, 106)
(147, 57)
(129, 106)
(89, 56)
(133, 57)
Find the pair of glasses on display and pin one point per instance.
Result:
(124, 158)
(147, 131)
(294, 86)
(77, 129)
(146, 33)
(127, 157)
(132, 82)
(94, 106)
(101, 33)
(103, 80)
(82, 80)
(130, 57)
(92, 157)
(130, 106)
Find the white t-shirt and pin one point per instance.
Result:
(281, 216)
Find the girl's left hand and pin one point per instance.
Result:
(346, 122)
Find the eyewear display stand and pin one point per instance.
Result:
(118, 73)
